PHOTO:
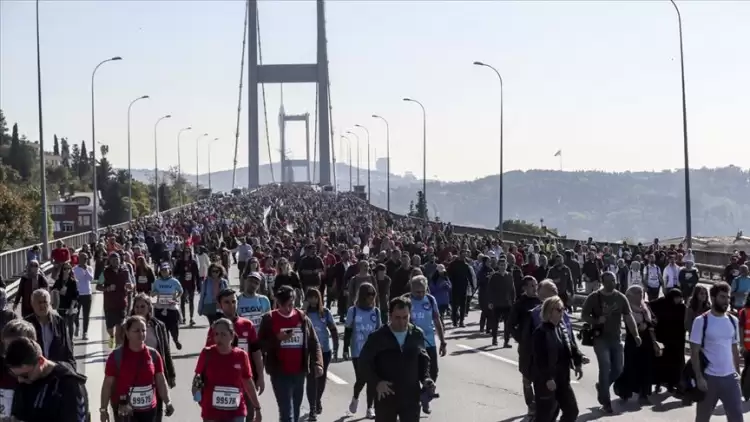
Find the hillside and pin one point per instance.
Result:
(606, 206)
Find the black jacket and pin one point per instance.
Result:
(61, 349)
(554, 353)
(519, 322)
(382, 359)
(61, 396)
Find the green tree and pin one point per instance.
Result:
(75, 160)
(65, 152)
(4, 138)
(83, 162)
(104, 169)
(15, 218)
(165, 197)
(21, 156)
(421, 206)
(33, 196)
(56, 146)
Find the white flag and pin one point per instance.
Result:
(558, 153)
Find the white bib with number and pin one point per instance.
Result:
(226, 398)
(142, 279)
(188, 276)
(254, 317)
(142, 397)
(164, 299)
(6, 402)
(295, 341)
(242, 344)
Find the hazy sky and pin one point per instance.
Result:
(598, 79)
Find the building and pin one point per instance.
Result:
(72, 215)
(381, 164)
(52, 160)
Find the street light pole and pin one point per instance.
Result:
(356, 136)
(130, 174)
(500, 204)
(388, 157)
(197, 161)
(42, 165)
(688, 210)
(349, 150)
(369, 192)
(95, 217)
(179, 161)
(424, 150)
(156, 162)
(209, 162)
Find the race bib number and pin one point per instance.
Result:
(189, 277)
(242, 344)
(226, 398)
(142, 397)
(164, 299)
(142, 280)
(688, 276)
(6, 403)
(295, 341)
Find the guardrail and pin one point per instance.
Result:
(13, 263)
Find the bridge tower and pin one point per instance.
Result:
(287, 164)
(316, 73)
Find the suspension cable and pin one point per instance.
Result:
(265, 108)
(315, 131)
(330, 127)
(239, 95)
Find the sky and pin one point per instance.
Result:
(599, 80)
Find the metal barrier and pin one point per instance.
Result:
(13, 263)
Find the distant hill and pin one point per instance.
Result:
(605, 206)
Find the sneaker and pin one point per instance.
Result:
(319, 409)
(178, 345)
(370, 413)
(353, 406)
(192, 323)
(312, 416)
(85, 336)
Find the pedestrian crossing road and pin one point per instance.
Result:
(477, 382)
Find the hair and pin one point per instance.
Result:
(225, 293)
(227, 325)
(16, 328)
(129, 321)
(549, 305)
(527, 279)
(399, 303)
(721, 287)
(546, 284)
(214, 267)
(22, 351)
(362, 296)
(313, 291)
(284, 294)
(41, 293)
(420, 279)
(415, 271)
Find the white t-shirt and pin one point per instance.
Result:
(721, 334)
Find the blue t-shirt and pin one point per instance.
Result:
(740, 286)
(253, 308)
(400, 337)
(362, 322)
(165, 290)
(321, 323)
(423, 312)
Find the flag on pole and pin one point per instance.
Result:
(558, 153)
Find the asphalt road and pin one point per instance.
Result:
(477, 382)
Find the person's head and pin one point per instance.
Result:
(380, 271)
(142, 306)
(227, 299)
(283, 266)
(440, 269)
(17, 328)
(399, 311)
(135, 331)
(165, 271)
(743, 270)
(252, 283)
(223, 331)
(552, 310)
(24, 359)
(285, 299)
(216, 271)
(66, 271)
(365, 296)
(529, 286)
(254, 264)
(83, 257)
(418, 287)
(364, 266)
(719, 294)
(698, 298)
(609, 281)
(547, 288)
(314, 299)
(33, 267)
(114, 260)
(310, 250)
(635, 295)
(502, 265)
(405, 260)
(40, 302)
(187, 254)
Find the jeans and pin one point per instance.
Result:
(289, 390)
(316, 386)
(726, 389)
(610, 356)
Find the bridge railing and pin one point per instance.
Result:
(710, 263)
(13, 263)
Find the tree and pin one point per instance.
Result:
(33, 197)
(412, 213)
(83, 162)
(15, 218)
(20, 155)
(4, 138)
(165, 197)
(421, 206)
(75, 160)
(104, 169)
(56, 146)
(65, 152)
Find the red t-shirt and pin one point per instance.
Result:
(223, 391)
(60, 255)
(246, 334)
(137, 371)
(290, 352)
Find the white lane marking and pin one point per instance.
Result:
(335, 378)
(96, 354)
(496, 357)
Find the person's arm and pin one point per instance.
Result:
(736, 354)
(366, 361)
(161, 381)
(334, 332)
(627, 315)
(696, 340)
(586, 310)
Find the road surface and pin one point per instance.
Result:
(477, 382)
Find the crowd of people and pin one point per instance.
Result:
(308, 260)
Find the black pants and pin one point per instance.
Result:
(188, 296)
(442, 309)
(495, 316)
(360, 384)
(458, 306)
(85, 312)
(171, 320)
(528, 393)
(432, 352)
(69, 319)
(549, 404)
(317, 385)
(397, 409)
